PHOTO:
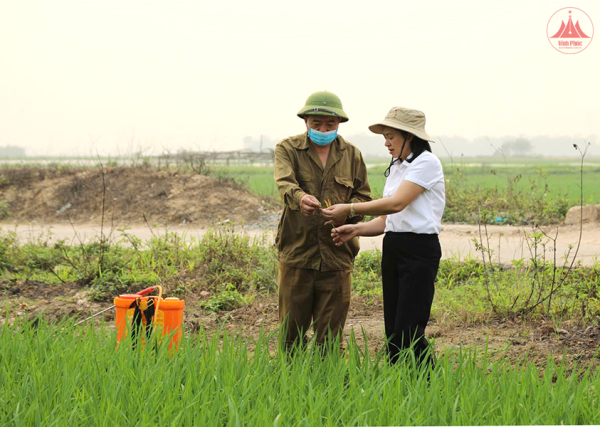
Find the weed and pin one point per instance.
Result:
(9, 244)
(220, 257)
(4, 209)
(366, 278)
(539, 281)
(249, 265)
(510, 204)
(227, 298)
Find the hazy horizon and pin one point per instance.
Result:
(110, 77)
(372, 146)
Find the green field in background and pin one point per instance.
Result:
(561, 178)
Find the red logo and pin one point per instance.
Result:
(570, 30)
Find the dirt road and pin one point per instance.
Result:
(508, 243)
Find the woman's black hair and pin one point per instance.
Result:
(417, 146)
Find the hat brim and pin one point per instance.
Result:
(379, 128)
(334, 112)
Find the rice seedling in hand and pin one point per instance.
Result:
(328, 205)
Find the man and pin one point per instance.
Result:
(315, 169)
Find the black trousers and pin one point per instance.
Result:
(409, 266)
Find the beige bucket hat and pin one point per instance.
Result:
(406, 119)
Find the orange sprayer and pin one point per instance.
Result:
(162, 313)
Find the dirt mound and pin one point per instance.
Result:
(590, 213)
(128, 193)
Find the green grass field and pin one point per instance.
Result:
(562, 176)
(477, 190)
(61, 375)
(562, 180)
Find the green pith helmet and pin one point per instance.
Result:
(323, 103)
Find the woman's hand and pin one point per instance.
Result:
(343, 233)
(337, 213)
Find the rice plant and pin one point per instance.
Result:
(63, 375)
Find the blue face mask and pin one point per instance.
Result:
(322, 138)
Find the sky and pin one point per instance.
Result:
(115, 77)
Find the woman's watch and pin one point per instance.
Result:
(352, 213)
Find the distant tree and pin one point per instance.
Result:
(520, 147)
(12, 152)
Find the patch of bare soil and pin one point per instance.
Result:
(31, 298)
(569, 343)
(164, 197)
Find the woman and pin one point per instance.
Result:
(410, 215)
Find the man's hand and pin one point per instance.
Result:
(309, 205)
(343, 233)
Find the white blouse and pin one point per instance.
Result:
(424, 214)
